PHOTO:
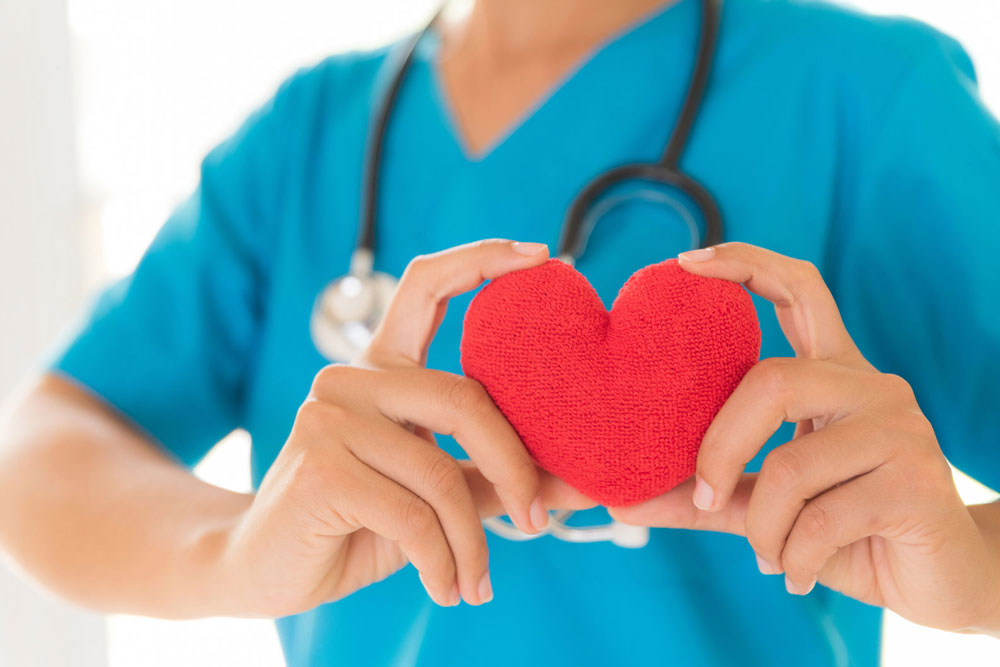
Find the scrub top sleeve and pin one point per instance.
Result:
(171, 346)
(915, 262)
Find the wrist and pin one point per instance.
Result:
(213, 588)
(987, 519)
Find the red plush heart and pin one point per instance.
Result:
(614, 403)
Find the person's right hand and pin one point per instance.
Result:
(360, 488)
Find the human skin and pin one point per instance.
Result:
(506, 56)
(862, 499)
(98, 514)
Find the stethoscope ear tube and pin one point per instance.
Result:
(572, 239)
(368, 213)
(711, 19)
(347, 311)
(666, 171)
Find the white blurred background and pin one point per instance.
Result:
(106, 108)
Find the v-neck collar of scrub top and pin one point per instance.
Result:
(618, 106)
(649, 65)
(630, 45)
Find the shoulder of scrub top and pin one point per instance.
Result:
(860, 55)
(837, 45)
(337, 81)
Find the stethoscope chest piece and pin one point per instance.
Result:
(348, 310)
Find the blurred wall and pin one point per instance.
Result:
(39, 256)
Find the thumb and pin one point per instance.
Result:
(419, 302)
(674, 509)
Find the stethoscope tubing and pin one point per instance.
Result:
(665, 172)
(572, 241)
(574, 232)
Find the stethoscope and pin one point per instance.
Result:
(349, 308)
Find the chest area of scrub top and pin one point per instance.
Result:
(618, 106)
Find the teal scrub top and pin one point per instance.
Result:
(857, 143)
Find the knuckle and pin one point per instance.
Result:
(444, 477)
(330, 374)
(895, 388)
(418, 268)
(806, 280)
(816, 522)
(417, 518)
(464, 396)
(770, 376)
(900, 402)
(807, 276)
(807, 272)
(316, 418)
(915, 424)
(310, 414)
(310, 480)
(312, 476)
(783, 468)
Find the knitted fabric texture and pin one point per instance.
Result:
(616, 404)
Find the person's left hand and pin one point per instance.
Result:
(861, 499)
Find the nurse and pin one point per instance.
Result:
(857, 146)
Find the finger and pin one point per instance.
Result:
(556, 494)
(802, 469)
(808, 315)
(429, 281)
(368, 499)
(674, 509)
(836, 519)
(774, 391)
(452, 405)
(458, 406)
(431, 474)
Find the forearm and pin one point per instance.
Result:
(102, 517)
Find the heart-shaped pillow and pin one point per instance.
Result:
(616, 404)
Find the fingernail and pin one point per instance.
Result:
(795, 590)
(766, 568)
(539, 517)
(453, 597)
(527, 248)
(444, 602)
(704, 496)
(699, 255)
(485, 589)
